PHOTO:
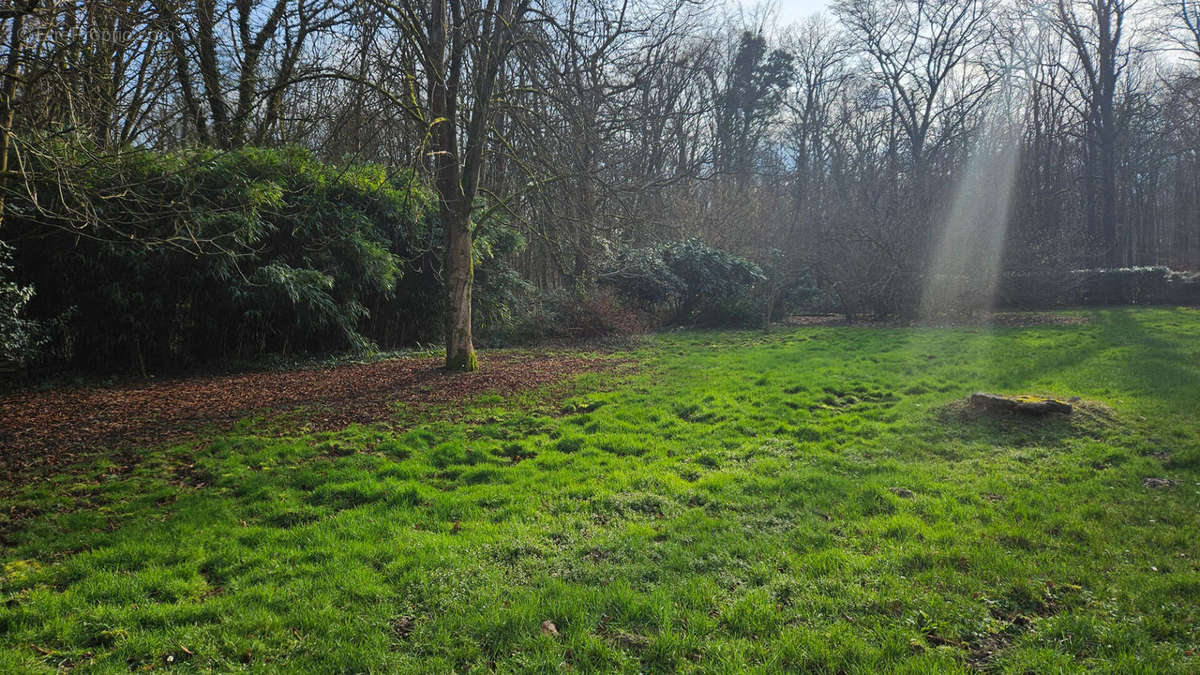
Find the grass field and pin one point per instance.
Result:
(811, 500)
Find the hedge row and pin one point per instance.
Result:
(1097, 288)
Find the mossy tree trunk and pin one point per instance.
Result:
(463, 52)
(460, 274)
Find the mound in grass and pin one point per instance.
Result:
(997, 426)
(1025, 404)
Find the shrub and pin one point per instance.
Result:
(573, 316)
(598, 313)
(499, 292)
(199, 254)
(718, 284)
(640, 277)
(19, 337)
(1097, 287)
(695, 283)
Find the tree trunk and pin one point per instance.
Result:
(460, 274)
(1109, 34)
(1108, 187)
(8, 92)
(772, 293)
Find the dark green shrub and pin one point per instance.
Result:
(500, 294)
(162, 260)
(718, 284)
(640, 277)
(1041, 289)
(697, 284)
(19, 337)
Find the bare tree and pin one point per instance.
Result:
(1182, 26)
(235, 61)
(927, 54)
(462, 47)
(15, 17)
(1095, 29)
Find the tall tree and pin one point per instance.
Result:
(749, 102)
(235, 61)
(1095, 30)
(1182, 27)
(15, 18)
(462, 47)
(927, 55)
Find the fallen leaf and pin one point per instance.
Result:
(55, 426)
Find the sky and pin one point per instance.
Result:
(792, 10)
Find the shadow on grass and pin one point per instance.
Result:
(964, 422)
(1120, 352)
(1156, 367)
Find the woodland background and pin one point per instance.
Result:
(185, 182)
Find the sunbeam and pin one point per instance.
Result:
(965, 266)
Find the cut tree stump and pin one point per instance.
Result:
(1030, 405)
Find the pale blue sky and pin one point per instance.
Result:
(793, 10)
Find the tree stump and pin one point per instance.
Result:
(1029, 405)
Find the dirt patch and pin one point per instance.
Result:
(60, 426)
(402, 627)
(1022, 319)
(983, 651)
(815, 320)
(1010, 319)
(628, 640)
(1014, 319)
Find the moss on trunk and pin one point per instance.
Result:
(464, 361)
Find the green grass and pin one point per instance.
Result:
(804, 501)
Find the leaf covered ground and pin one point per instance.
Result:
(812, 500)
(57, 426)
